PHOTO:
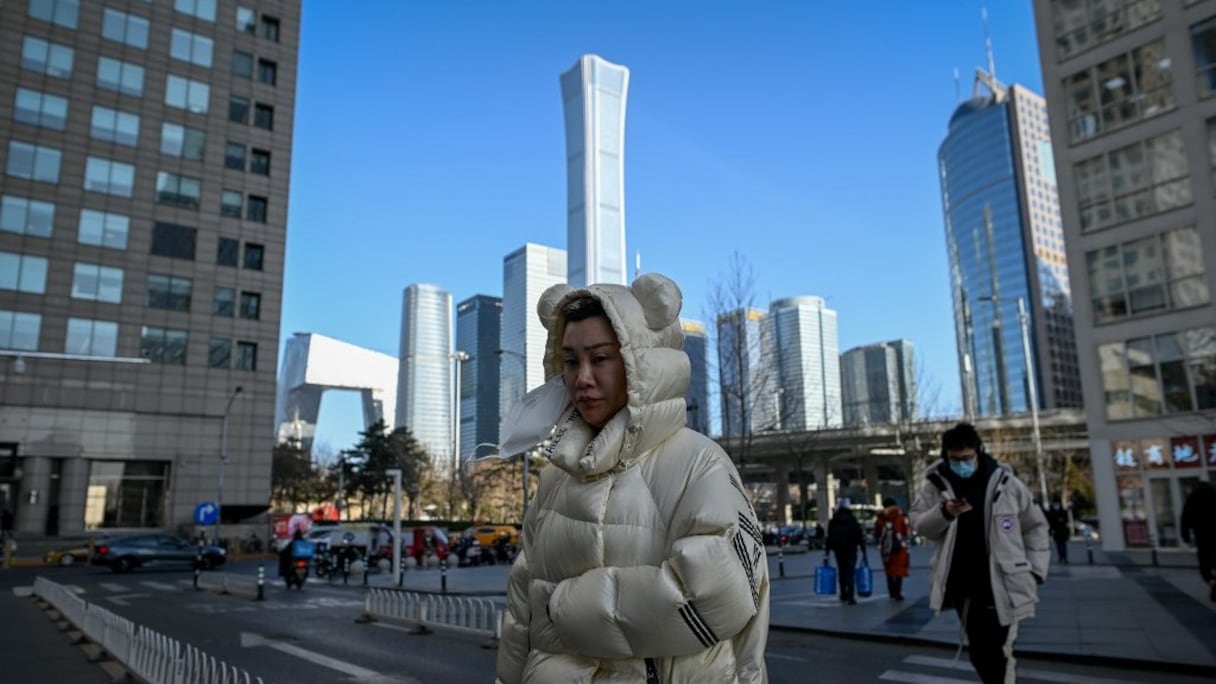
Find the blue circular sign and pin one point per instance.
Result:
(206, 513)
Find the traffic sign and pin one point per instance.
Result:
(206, 513)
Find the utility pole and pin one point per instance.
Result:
(219, 500)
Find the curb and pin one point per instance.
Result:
(1050, 656)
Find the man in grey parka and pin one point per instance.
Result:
(992, 548)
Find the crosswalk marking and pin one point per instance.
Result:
(916, 678)
(160, 586)
(1024, 673)
(23, 592)
(112, 586)
(75, 589)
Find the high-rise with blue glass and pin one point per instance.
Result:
(1005, 244)
(593, 104)
(478, 328)
(424, 377)
(804, 360)
(696, 346)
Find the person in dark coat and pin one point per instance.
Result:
(845, 538)
(1199, 523)
(1057, 525)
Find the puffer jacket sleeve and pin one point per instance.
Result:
(707, 591)
(927, 516)
(1036, 537)
(514, 646)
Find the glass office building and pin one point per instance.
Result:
(696, 346)
(526, 274)
(745, 381)
(1131, 89)
(804, 357)
(424, 380)
(878, 384)
(1005, 243)
(145, 155)
(594, 92)
(478, 333)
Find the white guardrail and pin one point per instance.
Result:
(456, 613)
(148, 655)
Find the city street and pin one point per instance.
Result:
(313, 636)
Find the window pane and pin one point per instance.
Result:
(114, 126)
(257, 209)
(246, 356)
(242, 64)
(263, 117)
(97, 283)
(125, 28)
(246, 20)
(102, 229)
(174, 241)
(1115, 385)
(227, 252)
(253, 256)
(61, 12)
(238, 110)
(234, 156)
(219, 353)
(1144, 271)
(51, 59)
(26, 216)
(224, 303)
(267, 71)
(203, 9)
(251, 305)
(19, 330)
(230, 204)
(191, 47)
(22, 273)
(121, 76)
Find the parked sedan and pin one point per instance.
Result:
(124, 554)
(66, 557)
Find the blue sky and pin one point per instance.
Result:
(429, 143)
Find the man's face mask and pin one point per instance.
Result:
(962, 462)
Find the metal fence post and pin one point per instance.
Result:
(1089, 550)
(443, 576)
(198, 563)
(780, 562)
(261, 582)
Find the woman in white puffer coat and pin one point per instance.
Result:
(642, 560)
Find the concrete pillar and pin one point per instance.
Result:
(823, 492)
(73, 492)
(32, 500)
(783, 491)
(869, 471)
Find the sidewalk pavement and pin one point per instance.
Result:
(34, 650)
(1119, 610)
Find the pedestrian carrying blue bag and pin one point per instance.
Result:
(864, 579)
(825, 578)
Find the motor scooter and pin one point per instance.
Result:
(302, 552)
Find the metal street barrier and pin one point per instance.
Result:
(465, 614)
(149, 655)
(229, 583)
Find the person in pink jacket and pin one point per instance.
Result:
(642, 560)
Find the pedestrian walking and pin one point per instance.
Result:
(1057, 524)
(845, 540)
(891, 531)
(991, 548)
(1199, 524)
(642, 558)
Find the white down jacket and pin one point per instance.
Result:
(642, 560)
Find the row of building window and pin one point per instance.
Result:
(105, 176)
(1160, 374)
(128, 79)
(20, 331)
(1084, 24)
(133, 30)
(1147, 275)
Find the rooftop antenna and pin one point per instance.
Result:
(958, 94)
(988, 44)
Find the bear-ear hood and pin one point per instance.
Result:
(646, 319)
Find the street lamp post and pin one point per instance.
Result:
(395, 473)
(459, 357)
(1032, 391)
(219, 500)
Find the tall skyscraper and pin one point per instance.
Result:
(878, 384)
(424, 381)
(593, 103)
(478, 334)
(1131, 101)
(1005, 243)
(696, 346)
(745, 380)
(526, 274)
(805, 357)
(145, 152)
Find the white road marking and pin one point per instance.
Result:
(1023, 672)
(914, 678)
(782, 656)
(121, 599)
(75, 589)
(112, 586)
(248, 640)
(160, 586)
(23, 592)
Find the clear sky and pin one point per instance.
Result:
(804, 135)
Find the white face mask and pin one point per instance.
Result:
(963, 469)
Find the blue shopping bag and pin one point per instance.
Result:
(863, 581)
(825, 578)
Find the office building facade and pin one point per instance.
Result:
(526, 274)
(696, 346)
(594, 92)
(745, 379)
(1005, 244)
(1130, 91)
(145, 151)
(878, 384)
(478, 334)
(804, 355)
(424, 380)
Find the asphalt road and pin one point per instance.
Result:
(311, 636)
